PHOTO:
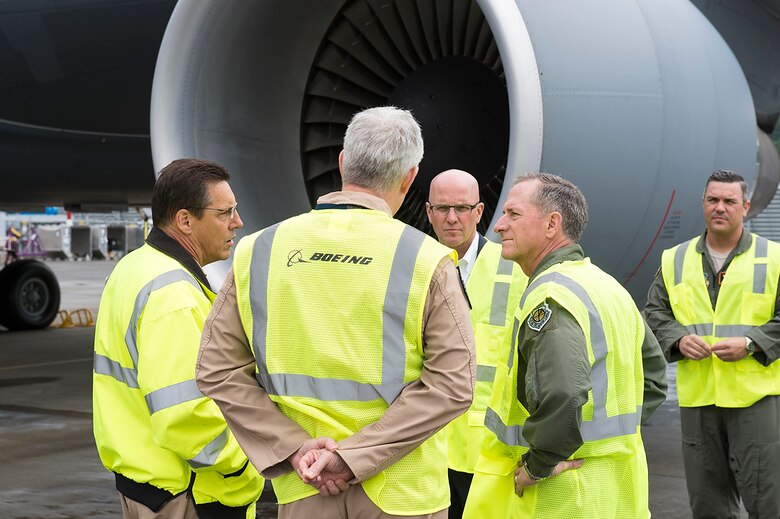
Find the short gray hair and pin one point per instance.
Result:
(556, 194)
(380, 146)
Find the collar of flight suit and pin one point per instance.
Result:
(568, 253)
(742, 245)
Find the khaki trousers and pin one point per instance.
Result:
(180, 507)
(352, 504)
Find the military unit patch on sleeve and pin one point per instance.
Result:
(539, 317)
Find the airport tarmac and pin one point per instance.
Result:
(50, 468)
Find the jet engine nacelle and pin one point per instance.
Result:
(635, 101)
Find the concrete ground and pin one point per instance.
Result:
(49, 466)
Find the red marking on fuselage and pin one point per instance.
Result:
(655, 238)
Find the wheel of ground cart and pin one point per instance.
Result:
(29, 295)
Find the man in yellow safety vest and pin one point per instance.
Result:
(493, 286)
(168, 446)
(581, 373)
(715, 308)
(345, 323)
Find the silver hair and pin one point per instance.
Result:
(556, 194)
(380, 146)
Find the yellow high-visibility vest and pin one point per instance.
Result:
(151, 422)
(494, 289)
(612, 482)
(332, 302)
(746, 299)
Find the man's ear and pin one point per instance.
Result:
(554, 224)
(341, 167)
(408, 180)
(183, 221)
(479, 209)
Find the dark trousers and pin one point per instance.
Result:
(459, 491)
(731, 454)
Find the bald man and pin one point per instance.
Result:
(494, 286)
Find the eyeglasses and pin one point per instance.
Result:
(445, 209)
(230, 212)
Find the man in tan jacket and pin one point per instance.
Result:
(380, 360)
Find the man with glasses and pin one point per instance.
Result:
(168, 445)
(494, 286)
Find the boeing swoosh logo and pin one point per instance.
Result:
(295, 256)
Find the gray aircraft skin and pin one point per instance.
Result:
(635, 101)
(75, 89)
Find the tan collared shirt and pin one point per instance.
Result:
(226, 367)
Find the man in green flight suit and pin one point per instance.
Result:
(715, 307)
(583, 371)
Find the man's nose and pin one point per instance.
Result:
(499, 225)
(237, 222)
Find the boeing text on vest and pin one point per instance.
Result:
(341, 258)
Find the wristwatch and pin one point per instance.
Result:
(750, 345)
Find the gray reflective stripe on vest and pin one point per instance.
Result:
(700, 328)
(499, 302)
(507, 434)
(505, 267)
(612, 427)
(759, 269)
(129, 376)
(105, 366)
(601, 426)
(485, 373)
(163, 280)
(679, 260)
(759, 287)
(759, 278)
(500, 297)
(732, 330)
(598, 340)
(258, 301)
(208, 456)
(394, 313)
(513, 344)
(721, 330)
(393, 318)
(172, 395)
(762, 247)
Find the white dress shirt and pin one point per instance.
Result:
(466, 263)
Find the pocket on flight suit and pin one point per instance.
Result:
(693, 449)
